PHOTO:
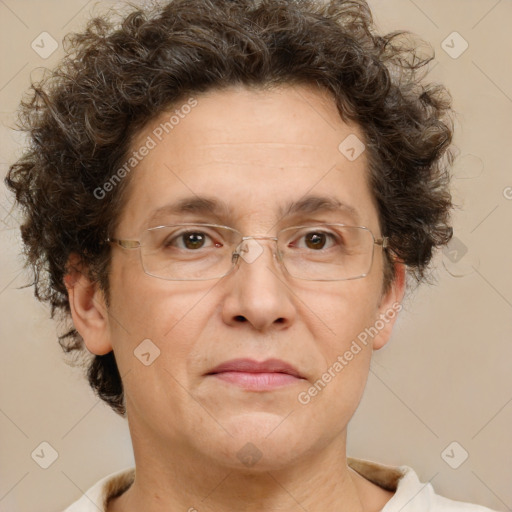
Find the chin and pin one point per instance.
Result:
(259, 425)
(261, 442)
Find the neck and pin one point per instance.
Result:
(175, 479)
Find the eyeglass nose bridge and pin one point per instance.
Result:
(248, 253)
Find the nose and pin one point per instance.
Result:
(257, 290)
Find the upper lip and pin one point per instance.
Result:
(251, 366)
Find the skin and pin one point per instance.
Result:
(256, 150)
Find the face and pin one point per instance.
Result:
(256, 152)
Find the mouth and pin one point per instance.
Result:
(257, 376)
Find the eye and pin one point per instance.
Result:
(191, 240)
(317, 240)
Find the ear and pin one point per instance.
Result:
(389, 307)
(88, 307)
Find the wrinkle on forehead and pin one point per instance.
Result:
(268, 154)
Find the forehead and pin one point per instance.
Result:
(250, 155)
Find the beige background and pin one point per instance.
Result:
(444, 377)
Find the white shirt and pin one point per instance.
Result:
(410, 494)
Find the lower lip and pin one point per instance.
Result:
(257, 381)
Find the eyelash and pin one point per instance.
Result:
(169, 241)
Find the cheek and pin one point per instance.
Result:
(168, 314)
(155, 327)
(337, 312)
(333, 397)
(337, 387)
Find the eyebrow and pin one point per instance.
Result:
(221, 211)
(317, 204)
(193, 204)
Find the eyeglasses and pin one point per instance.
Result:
(198, 252)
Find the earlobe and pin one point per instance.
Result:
(390, 306)
(88, 308)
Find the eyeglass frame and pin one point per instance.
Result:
(235, 257)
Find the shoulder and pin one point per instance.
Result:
(410, 494)
(415, 496)
(96, 497)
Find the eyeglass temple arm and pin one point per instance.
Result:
(125, 244)
(384, 241)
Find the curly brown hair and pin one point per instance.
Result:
(125, 69)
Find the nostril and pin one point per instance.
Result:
(240, 318)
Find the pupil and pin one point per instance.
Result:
(315, 240)
(194, 240)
